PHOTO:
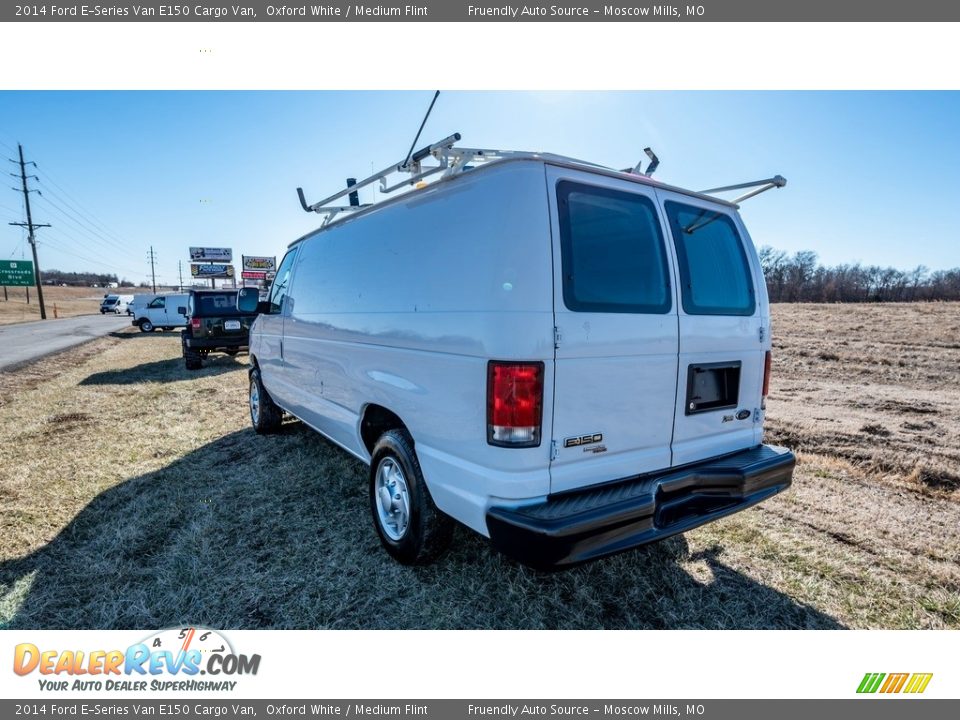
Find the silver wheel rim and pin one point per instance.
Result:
(254, 402)
(392, 498)
(148, 326)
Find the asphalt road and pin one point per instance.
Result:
(23, 342)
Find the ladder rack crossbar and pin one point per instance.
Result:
(775, 181)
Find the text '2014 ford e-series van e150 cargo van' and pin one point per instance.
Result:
(569, 359)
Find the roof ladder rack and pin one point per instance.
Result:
(449, 160)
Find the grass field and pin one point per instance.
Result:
(69, 301)
(134, 494)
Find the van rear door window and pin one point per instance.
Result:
(714, 275)
(613, 254)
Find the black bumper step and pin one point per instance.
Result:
(582, 525)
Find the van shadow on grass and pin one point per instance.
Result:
(160, 371)
(132, 333)
(258, 532)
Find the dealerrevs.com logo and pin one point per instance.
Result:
(173, 659)
(892, 683)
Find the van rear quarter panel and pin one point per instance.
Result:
(405, 305)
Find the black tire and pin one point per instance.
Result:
(428, 531)
(265, 416)
(147, 326)
(191, 358)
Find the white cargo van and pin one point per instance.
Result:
(159, 311)
(569, 359)
(116, 304)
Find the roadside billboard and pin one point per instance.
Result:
(211, 270)
(211, 255)
(16, 272)
(259, 263)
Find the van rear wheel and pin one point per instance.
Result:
(146, 326)
(265, 416)
(409, 525)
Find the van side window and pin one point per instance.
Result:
(158, 303)
(714, 275)
(281, 283)
(613, 253)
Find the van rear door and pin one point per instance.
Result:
(723, 337)
(616, 330)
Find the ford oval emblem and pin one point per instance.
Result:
(743, 415)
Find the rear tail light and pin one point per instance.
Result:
(514, 403)
(195, 322)
(767, 362)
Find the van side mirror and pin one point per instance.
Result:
(248, 300)
(182, 310)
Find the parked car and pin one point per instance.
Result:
(159, 311)
(116, 304)
(216, 325)
(569, 359)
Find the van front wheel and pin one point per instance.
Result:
(265, 416)
(409, 525)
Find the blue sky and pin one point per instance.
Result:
(873, 177)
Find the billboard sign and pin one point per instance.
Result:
(253, 275)
(259, 263)
(211, 270)
(16, 272)
(211, 255)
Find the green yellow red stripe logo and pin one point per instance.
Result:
(889, 683)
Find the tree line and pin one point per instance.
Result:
(801, 278)
(82, 279)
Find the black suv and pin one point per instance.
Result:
(215, 325)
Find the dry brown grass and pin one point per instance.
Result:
(69, 302)
(877, 386)
(134, 494)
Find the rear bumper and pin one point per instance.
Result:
(587, 524)
(218, 343)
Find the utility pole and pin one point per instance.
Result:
(180, 268)
(30, 226)
(153, 273)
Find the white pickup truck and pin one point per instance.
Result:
(569, 359)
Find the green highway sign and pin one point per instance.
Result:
(16, 272)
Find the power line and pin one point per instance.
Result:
(58, 240)
(69, 217)
(85, 221)
(78, 206)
